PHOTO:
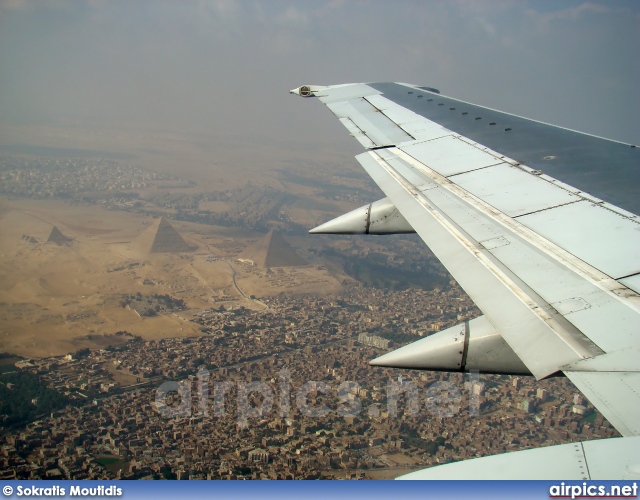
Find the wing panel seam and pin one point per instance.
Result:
(493, 268)
(583, 269)
(391, 120)
(547, 208)
(584, 458)
(363, 133)
(628, 276)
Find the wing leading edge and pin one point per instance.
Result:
(554, 266)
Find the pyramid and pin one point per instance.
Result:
(17, 225)
(272, 250)
(161, 237)
(57, 237)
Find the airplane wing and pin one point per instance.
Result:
(537, 223)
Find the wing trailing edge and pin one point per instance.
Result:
(538, 225)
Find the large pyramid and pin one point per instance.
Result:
(272, 250)
(17, 225)
(57, 237)
(161, 237)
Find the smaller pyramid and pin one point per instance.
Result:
(17, 225)
(161, 237)
(272, 250)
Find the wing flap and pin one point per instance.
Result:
(559, 285)
(525, 325)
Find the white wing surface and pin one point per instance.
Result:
(537, 223)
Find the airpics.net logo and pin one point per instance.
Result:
(586, 490)
(257, 399)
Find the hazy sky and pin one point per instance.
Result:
(225, 67)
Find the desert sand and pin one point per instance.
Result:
(65, 269)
